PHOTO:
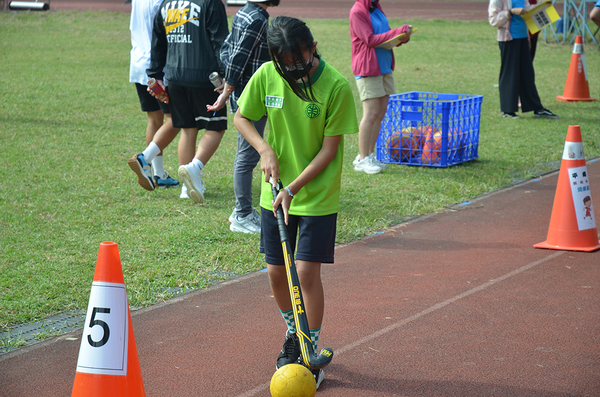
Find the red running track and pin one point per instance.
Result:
(457, 303)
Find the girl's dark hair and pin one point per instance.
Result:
(290, 36)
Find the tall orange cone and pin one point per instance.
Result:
(572, 225)
(108, 363)
(577, 88)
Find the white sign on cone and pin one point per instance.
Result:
(582, 198)
(104, 343)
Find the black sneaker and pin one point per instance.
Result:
(290, 352)
(545, 113)
(511, 116)
(319, 375)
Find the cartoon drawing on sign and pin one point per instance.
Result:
(587, 202)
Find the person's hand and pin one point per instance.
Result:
(219, 103)
(405, 29)
(284, 199)
(160, 83)
(517, 11)
(269, 164)
(219, 89)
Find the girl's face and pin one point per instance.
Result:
(299, 72)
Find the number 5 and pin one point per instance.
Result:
(103, 324)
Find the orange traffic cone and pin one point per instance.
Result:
(572, 225)
(577, 88)
(108, 363)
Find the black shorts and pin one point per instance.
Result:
(315, 234)
(148, 102)
(188, 108)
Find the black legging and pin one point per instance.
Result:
(517, 78)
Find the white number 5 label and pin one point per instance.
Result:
(104, 345)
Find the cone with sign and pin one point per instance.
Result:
(108, 363)
(577, 87)
(572, 224)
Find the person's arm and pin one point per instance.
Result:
(269, 162)
(239, 55)
(222, 98)
(314, 168)
(158, 49)
(360, 23)
(498, 17)
(595, 15)
(217, 28)
(241, 52)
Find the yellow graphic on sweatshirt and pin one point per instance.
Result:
(177, 13)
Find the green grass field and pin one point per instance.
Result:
(69, 120)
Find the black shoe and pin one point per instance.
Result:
(290, 352)
(511, 116)
(545, 113)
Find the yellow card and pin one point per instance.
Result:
(540, 16)
(394, 41)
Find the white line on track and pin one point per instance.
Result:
(390, 328)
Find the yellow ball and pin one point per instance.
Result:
(293, 380)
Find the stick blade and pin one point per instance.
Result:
(322, 360)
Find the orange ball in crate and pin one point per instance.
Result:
(432, 147)
(394, 144)
(410, 144)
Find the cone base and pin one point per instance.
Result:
(545, 245)
(567, 99)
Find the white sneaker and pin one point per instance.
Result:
(377, 162)
(192, 178)
(248, 224)
(367, 165)
(356, 160)
(319, 375)
(234, 213)
(184, 194)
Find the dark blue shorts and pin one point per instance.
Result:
(315, 237)
(148, 102)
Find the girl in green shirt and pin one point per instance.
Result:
(310, 108)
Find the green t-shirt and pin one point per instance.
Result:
(297, 129)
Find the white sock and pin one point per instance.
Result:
(151, 152)
(198, 164)
(159, 167)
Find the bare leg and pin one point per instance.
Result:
(382, 109)
(309, 275)
(165, 134)
(187, 145)
(155, 121)
(368, 130)
(208, 145)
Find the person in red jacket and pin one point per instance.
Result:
(373, 68)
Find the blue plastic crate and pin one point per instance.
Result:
(429, 129)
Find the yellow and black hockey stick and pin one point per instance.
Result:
(309, 357)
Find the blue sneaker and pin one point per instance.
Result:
(143, 170)
(166, 182)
